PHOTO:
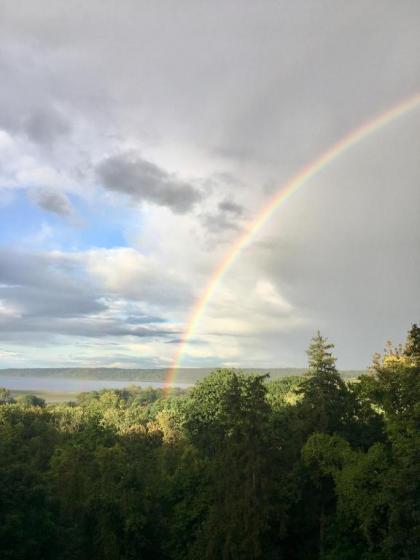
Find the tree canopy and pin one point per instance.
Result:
(238, 467)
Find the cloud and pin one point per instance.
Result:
(27, 108)
(218, 222)
(129, 274)
(231, 207)
(87, 327)
(142, 319)
(145, 181)
(241, 103)
(4, 355)
(46, 125)
(53, 200)
(45, 285)
(54, 293)
(227, 216)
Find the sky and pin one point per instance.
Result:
(138, 139)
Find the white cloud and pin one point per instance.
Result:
(130, 274)
(269, 294)
(8, 311)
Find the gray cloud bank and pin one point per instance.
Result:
(228, 216)
(53, 294)
(145, 181)
(52, 200)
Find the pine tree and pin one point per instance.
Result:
(325, 394)
(321, 360)
(412, 347)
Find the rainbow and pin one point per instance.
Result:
(286, 191)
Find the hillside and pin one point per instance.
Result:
(183, 375)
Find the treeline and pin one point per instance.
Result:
(183, 375)
(239, 467)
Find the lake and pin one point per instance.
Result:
(62, 385)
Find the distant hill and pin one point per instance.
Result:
(183, 375)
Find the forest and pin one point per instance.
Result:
(237, 467)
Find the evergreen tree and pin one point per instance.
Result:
(327, 407)
(320, 357)
(412, 346)
(325, 395)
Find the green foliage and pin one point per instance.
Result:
(228, 420)
(320, 357)
(412, 347)
(283, 391)
(239, 467)
(225, 407)
(31, 400)
(5, 396)
(326, 403)
(27, 528)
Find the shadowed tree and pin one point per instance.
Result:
(412, 346)
(32, 400)
(228, 421)
(326, 399)
(326, 407)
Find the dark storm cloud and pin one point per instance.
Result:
(145, 181)
(53, 201)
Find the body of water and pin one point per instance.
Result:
(63, 385)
